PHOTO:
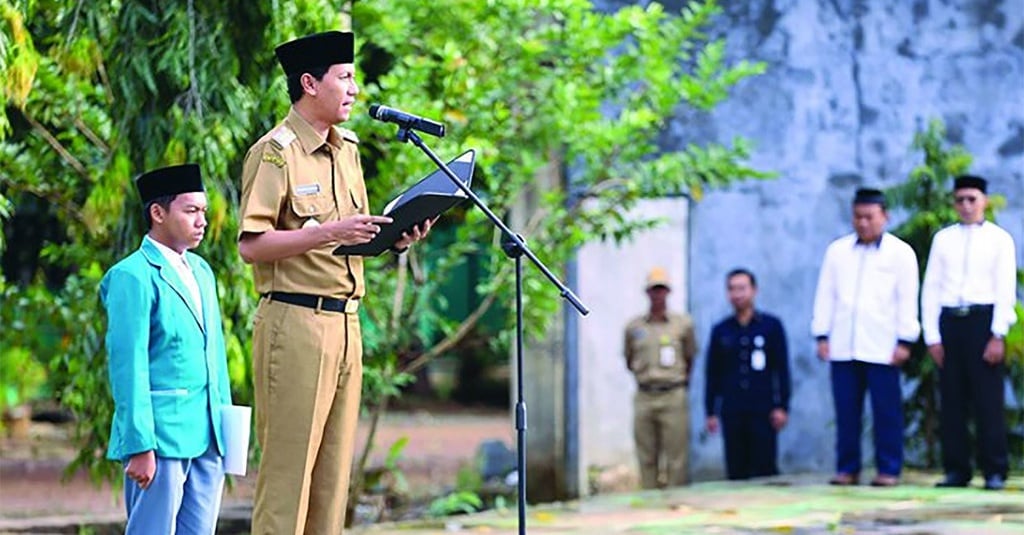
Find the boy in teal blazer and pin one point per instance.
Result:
(168, 368)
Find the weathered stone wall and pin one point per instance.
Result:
(848, 84)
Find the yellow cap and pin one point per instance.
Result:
(658, 277)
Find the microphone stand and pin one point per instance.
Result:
(514, 247)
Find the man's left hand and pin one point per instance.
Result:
(995, 350)
(900, 355)
(418, 233)
(778, 418)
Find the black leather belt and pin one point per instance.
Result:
(660, 387)
(309, 301)
(967, 310)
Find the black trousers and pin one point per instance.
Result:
(971, 387)
(750, 444)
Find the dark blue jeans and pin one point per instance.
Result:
(850, 381)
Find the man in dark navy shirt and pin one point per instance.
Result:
(747, 382)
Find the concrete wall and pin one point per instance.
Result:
(848, 84)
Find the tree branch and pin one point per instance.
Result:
(467, 325)
(359, 471)
(454, 338)
(396, 303)
(87, 132)
(55, 144)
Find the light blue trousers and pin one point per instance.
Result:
(183, 499)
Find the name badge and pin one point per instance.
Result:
(307, 189)
(667, 356)
(757, 360)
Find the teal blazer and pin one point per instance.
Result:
(168, 370)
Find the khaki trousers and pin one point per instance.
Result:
(661, 428)
(308, 374)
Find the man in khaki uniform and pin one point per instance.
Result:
(659, 349)
(303, 195)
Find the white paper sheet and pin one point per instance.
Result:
(235, 424)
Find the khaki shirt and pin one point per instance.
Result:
(293, 178)
(660, 352)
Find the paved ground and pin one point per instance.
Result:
(32, 500)
(795, 504)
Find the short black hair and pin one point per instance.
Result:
(295, 91)
(742, 271)
(164, 202)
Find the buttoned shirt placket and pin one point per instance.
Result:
(968, 231)
(864, 250)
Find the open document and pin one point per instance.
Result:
(425, 200)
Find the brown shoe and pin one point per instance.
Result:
(885, 480)
(844, 480)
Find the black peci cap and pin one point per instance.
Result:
(317, 50)
(869, 196)
(970, 181)
(169, 181)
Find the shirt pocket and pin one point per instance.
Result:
(882, 282)
(317, 206)
(357, 200)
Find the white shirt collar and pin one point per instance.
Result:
(171, 255)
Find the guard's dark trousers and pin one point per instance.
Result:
(968, 383)
(751, 444)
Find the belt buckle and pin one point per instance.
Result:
(962, 310)
(351, 306)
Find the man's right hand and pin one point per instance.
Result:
(823, 352)
(141, 468)
(711, 424)
(937, 353)
(352, 230)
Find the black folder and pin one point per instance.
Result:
(426, 199)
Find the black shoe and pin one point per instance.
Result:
(995, 483)
(952, 480)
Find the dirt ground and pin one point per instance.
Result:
(439, 444)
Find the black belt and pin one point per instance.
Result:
(309, 301)
(967, 310)
(660, 387)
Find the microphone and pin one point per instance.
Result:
(406, 120)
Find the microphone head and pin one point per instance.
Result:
(374, 108)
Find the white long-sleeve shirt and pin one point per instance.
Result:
(970, 265)
(866, 300)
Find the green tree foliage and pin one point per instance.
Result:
(96, 93)
(926, 197)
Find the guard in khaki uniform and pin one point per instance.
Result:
(659, 349)
(303, 195)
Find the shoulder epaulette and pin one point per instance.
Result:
(283, 137)
(347, 134)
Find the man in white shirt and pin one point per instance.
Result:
(865, 320)
(970, 288)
